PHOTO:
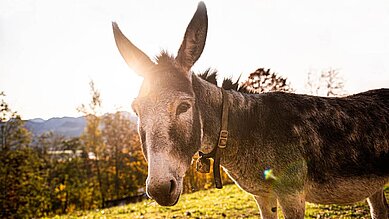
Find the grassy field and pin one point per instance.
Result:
(230, 202)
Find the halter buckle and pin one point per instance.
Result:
(223, 139)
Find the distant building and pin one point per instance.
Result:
(63, 155)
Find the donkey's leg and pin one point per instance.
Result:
(292, 205)
(378, 205)
(267, 204)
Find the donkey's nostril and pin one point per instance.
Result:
(172, 186)
(165, 192)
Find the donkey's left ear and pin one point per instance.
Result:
(134, 57)
(194, 40)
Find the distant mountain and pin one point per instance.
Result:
(66, 126)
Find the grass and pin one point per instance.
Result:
(229, 202)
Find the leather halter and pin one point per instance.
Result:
(203, 163)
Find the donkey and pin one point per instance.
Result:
(283, 147)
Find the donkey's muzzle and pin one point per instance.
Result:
(164, 193)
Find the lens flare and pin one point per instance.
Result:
(268, 174)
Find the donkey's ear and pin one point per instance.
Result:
(134, 57)
(194, 40)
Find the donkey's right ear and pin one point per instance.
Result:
(194, 40)
(134, 57)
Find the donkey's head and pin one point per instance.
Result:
(169, 120)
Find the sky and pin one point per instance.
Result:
(51, 49)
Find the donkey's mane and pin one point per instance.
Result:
(253, 84)
(164, 57)
(210, 75)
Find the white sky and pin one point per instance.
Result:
(51, 49)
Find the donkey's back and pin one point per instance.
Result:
(344, 142)
(345, 137)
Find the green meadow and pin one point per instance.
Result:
(229, 202)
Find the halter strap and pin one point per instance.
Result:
(224, 129)
(221, 144)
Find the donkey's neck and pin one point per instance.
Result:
(242, 107)
(209, 102)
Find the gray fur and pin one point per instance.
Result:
(282, 147)
(263, 135)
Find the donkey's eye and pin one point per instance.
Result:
(182, 108)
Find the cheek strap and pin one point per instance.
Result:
(203, 164)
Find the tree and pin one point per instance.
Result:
(92, 137)
(68, 179)
(263, 81)
(13, 134)
(124, 154)
(24, 192)
(329, 83)
(46, 142)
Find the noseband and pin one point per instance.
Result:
(203, 163)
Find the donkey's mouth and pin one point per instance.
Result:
(178, 197)
(167, 201)
(165, 194)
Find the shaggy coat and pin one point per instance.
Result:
(283, 147)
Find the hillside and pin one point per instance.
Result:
(230, 202)
(64, 126)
